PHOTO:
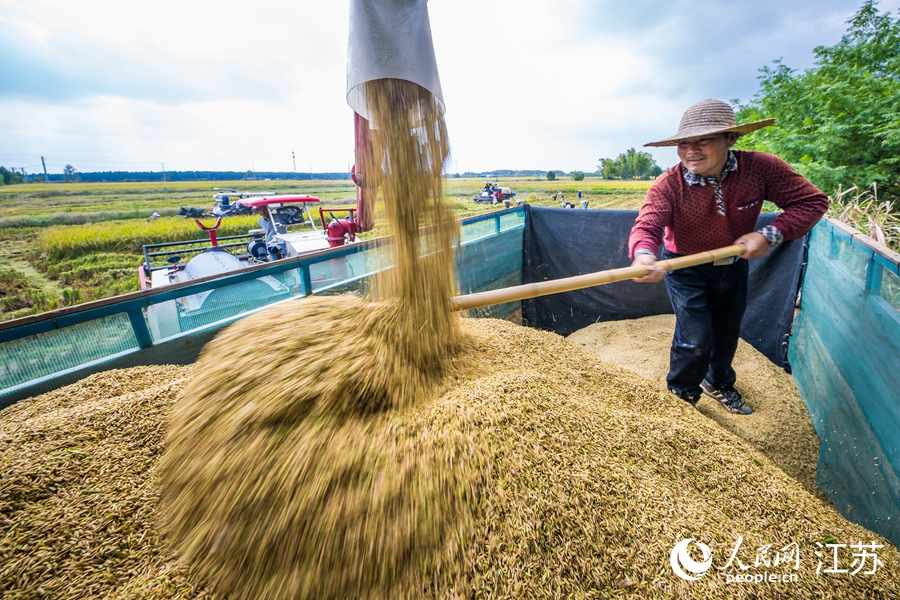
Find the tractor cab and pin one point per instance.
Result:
(229, 202)
(226, 254)
(164, 265)
(273, 240)
(280, 212)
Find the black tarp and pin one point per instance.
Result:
(562, 242)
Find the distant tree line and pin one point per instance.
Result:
(498, 173)
(630, 165)
(72, 174)
(838, 122)
(576, 175)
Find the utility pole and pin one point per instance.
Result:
(164, 171)
(46, 178)
(294, 158)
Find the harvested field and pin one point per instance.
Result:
(590, 476)
(780, 426)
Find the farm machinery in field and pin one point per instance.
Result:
(271, 241)
(228, 202)
(164, 265)
(495, 194)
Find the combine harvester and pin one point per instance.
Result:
(842, 346)
(494, 194)
(228, 203)
(189, 312)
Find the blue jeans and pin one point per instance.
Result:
(709, 304)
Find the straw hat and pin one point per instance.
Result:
(709, 117)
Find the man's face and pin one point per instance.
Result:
(706, 156)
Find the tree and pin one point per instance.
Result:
(578, 175)
(551, 175)
(838, 122)
(70, 174)
(630, 165)
(609, 168)
(10, 177)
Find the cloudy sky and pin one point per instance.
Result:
(528, 84)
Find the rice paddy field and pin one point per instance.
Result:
(67, 243)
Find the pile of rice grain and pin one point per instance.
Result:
(77, 504)
(780, 426)
(306, 475)
(584, 480)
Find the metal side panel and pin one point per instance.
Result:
(180, 349)
(844, 352)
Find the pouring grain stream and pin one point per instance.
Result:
(289, 470)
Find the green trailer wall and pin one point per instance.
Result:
(845, 355)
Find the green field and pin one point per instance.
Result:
(67, 243)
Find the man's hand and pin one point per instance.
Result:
(645, 260)
(756, 245)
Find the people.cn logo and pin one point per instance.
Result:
(686, 567)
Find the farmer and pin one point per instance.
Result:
(711, 199)
(274, 246)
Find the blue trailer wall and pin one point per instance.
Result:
(845, 352)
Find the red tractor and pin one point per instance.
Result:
(494, 194)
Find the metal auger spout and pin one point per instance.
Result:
(389, 39)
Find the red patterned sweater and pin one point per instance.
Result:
(685, 217)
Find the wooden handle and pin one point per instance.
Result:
(578, 282)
